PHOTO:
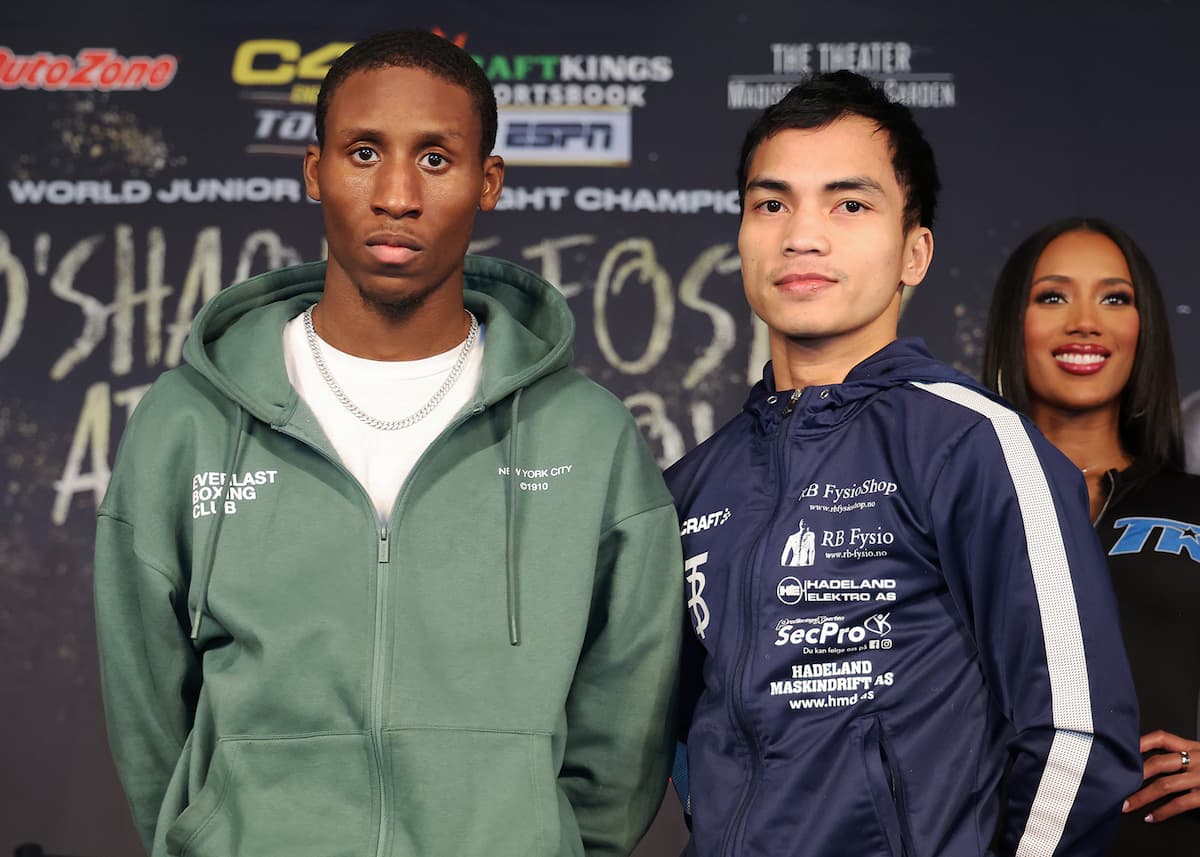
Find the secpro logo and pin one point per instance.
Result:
(832, 632)
(92, 69)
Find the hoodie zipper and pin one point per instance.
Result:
(377, 681)
(382, 568)
(736, 701)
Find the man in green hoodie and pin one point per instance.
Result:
(377, 571)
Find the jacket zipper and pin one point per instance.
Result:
(736, 704)
(891, 770)
(1112, 489)
(382, 567)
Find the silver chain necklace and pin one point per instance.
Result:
(374, 422)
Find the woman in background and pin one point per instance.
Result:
(1078, 340)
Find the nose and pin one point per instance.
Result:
(396, 189)
(806, 232)
(1082, 319)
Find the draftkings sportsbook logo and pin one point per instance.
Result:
(554, 109)
(570, 109)
(891, 64)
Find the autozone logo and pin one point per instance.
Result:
(91, 69)
(565, 137)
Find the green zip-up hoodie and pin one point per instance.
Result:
(491, 673)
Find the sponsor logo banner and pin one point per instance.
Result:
(282, 78)
(138, 191)
(556, 137)
(889, 63)
(92, 69)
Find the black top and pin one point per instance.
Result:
(1150, 529)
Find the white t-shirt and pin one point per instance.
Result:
(387, 390)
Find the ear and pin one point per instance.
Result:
(918, 254)
(312, 157)
(493, 182)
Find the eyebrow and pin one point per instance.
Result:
(858, 183)
(775, 185)
(863, 184)
(427, 137)
(1062, 278)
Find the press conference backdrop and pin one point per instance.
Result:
(151, 156)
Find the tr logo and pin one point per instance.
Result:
(696, 604)
(1174, 536)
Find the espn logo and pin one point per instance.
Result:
(556, 137)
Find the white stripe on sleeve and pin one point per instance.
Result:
(1062, 638)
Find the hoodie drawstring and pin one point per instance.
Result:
(510, 526)
(241, 427)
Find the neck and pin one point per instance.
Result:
(1091, 439)
(358, 327)
(800, 363)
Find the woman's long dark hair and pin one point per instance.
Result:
(1149, 422)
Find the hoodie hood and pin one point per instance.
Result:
(900, 362)
(235, 338)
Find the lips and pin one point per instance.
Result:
(804, 282)
(1079, 359)
(392, 248)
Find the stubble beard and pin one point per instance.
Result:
(396, 308)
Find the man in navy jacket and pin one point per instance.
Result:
(900, 598)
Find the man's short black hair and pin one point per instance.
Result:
(414, 49)
(822, 99)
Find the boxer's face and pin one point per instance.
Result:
(400, 179)
(823, 244)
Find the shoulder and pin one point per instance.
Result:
(714, 454)
(961, 401)
(565, 410)
(967, 430)
(181, 387)
(178, 398)
(976, 413)
(179, 414)
(577, 399)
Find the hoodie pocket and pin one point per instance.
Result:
(304, 795)
(472, 793)
(887, 789)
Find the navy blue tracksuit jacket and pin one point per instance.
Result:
(895, 593)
